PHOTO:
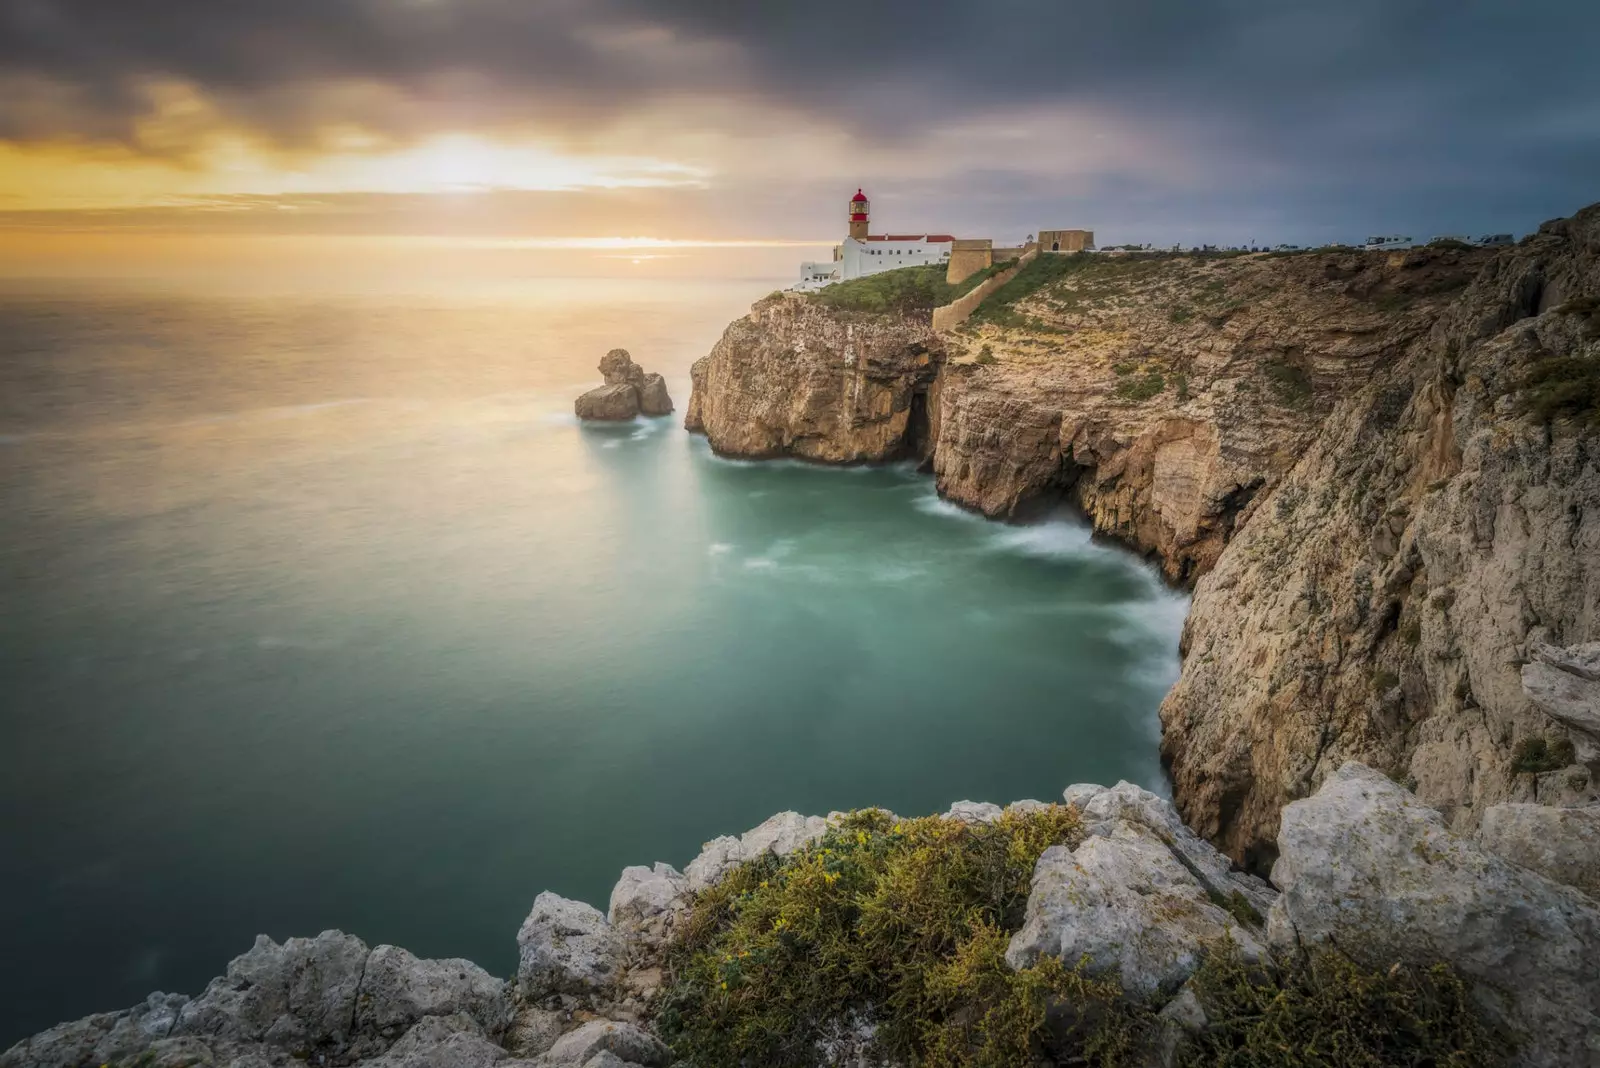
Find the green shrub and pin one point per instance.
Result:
(905, 290)
(1123, 368)
(1563, 387)
(904, 921)
(985, 355)
(1181, 315)
(1411, 631)
(1141, 388)
(1392, 301)
(1290, 383)
(1384, 680)
(1537, 754)
(1182, 381)
(1333, 1013)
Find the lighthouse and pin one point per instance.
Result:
(858, 216)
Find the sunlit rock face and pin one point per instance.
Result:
(794, 378)
(628, 391)
(1335, 449)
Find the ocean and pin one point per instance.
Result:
(318, 609)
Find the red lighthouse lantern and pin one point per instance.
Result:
(858, 216)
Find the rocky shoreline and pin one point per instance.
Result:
(1363, 866)
(1360, 462)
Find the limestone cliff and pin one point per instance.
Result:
(794, 378)
(1336, 449)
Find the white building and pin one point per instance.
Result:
(864, 253)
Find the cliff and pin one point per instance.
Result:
(1376, 470)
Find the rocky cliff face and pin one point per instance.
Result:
(1337, 450)
(795, 379)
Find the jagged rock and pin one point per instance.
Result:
(608, 403)
(1560, 683)
(606, 1059)
(448, 1041)
(1025, 807)
(1365, 865)
(1124, 902)
(1105, 808)
(1580, 660)
(618, 369)
(398, 990)
(1179, 1020)
(627, 1042)
(98, 1039)
(566, 947)
(534, 1030)
(628, 391)
(309, 994)
(298, 994)
(653, 396)
(1559, 843)
(644, 893)
(974, 812)
(780, 835)
(1080, 794)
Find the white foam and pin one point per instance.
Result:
(932, 504)
(1053, 540)
(718, 548)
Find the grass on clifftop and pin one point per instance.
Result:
(905, 290)
(905, 924)
(908, 920)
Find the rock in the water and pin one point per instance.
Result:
(566, 947)
(610, 403)
(398, 990)
(1559, 843)
(974, 812)
(1124, 902)
(629, 1043)
(628, 391)
(653, 396)
(780, 835)
(1365, 865)
(618, 369)
(644, 893)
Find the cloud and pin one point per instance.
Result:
(1446, 110)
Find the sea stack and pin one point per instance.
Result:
(628, 391)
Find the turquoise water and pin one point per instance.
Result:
(319, 610)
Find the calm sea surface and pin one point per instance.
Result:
(320, 610)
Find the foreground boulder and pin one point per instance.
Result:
(1130, 899)
(1365, 866)
(566, 947)
(628, 391)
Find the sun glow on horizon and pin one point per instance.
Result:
(67, 176)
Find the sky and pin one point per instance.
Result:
(566, 121)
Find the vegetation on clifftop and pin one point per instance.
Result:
(905, 289)
(892, 934)
(905, 921)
